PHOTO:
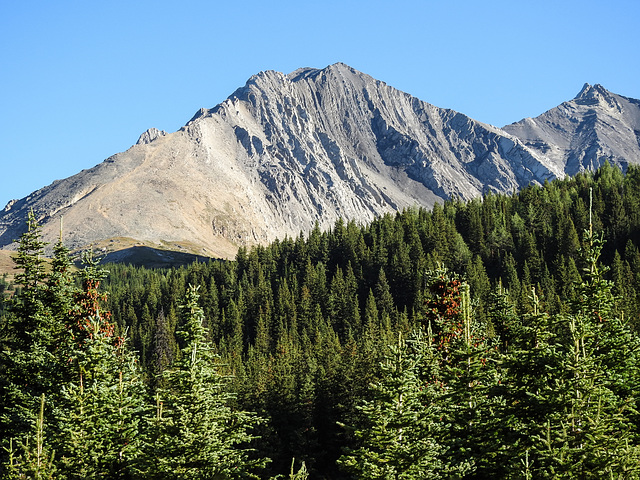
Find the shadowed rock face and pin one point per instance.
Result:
(581, 134)
(283, 153)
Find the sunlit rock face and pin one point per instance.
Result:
(287, 152)
(583, 133)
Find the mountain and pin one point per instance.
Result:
(581, 134)
(287, 152)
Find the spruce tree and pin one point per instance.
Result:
(468, 373)
(31, 458)
(401, 438)
(28, 366)
(29, 306)
(593, 435)
(61, 285)
(531, 364)
(195, 433)
(573, 386)
(99, 407)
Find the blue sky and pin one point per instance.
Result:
(80, 81)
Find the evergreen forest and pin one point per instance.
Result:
(497, 338)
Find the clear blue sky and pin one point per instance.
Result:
(80, 81)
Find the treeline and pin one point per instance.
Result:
(476, 300)
(302, 323)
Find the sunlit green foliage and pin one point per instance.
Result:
(494, 320)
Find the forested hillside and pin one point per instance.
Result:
(496, 338)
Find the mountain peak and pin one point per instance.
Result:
(595, 126)
(303, 72)
(340, 66)
(290, 151)
(586, 88)
(593, 94)
(306, 72)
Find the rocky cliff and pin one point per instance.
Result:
(581, 134)
(285, 152)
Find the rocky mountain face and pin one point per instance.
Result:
(581, 134)
(285, 152)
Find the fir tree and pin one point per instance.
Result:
(576, 404)
(401, 436)
(31, 459)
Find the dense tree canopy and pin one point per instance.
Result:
(496, 338)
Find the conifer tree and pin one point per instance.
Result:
(30, 262)
(467, 370)
(61, 287)
(31, 336)
(573, 386)
(99, 408)
(31, 459)
(593, 434)
(430, 413)
(195, 433)
(163, 348)
(403, 433)
(531, 363)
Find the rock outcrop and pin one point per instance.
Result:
(150, 135)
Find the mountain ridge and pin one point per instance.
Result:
(285, 152)
(582, 133)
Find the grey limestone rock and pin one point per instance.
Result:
(286, 152)
(581, 134)
(150, 135)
